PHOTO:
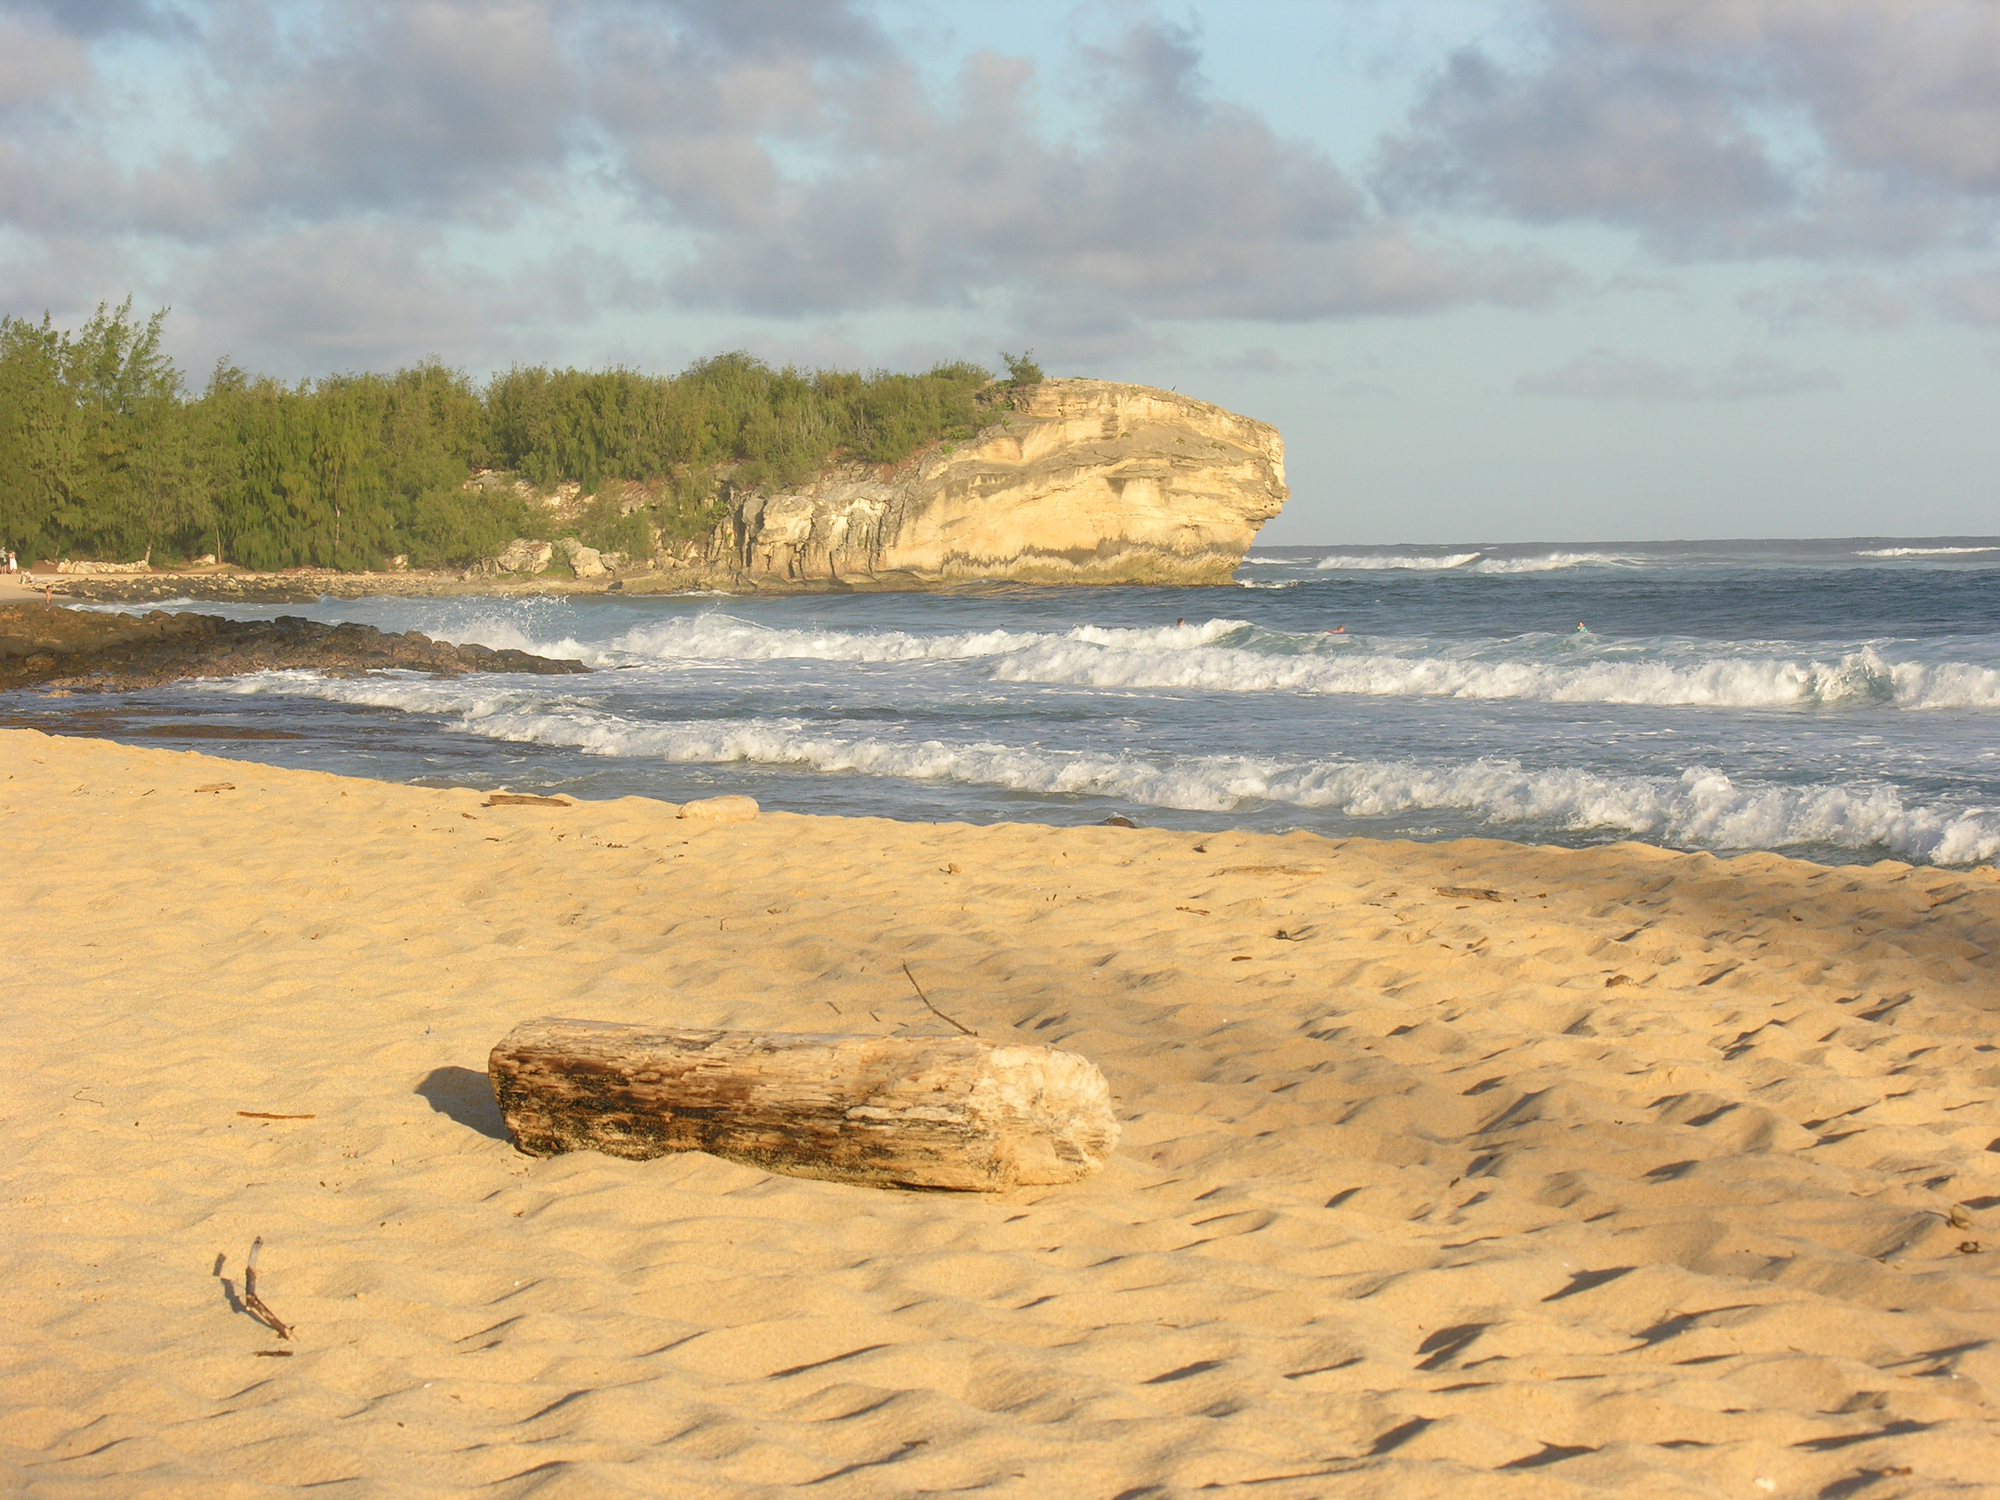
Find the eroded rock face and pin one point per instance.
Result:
(1087, 481)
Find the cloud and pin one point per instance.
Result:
(341, 297)
(95, 18)
(784, 160)
(1603, 375)
(1968, 297)
(1753, 127)
(1620, 139)
(414, 105)
(1259, 359)
(1170, 204)
(1857, 303)
(39, 65)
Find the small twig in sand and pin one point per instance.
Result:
(1470, 893)
(258, 1114)
(932, 1008)
(254, 1303)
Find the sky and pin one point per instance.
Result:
(1499, 270)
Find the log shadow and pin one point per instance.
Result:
(466, 1097)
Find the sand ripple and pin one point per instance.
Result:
(1655, 1176)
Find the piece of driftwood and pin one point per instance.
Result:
(720, 810)
(937, 1112)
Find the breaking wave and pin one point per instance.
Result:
(1922, 551)
(1473, 562)
(1393, 562)
(1701, 808)
(1230, 655)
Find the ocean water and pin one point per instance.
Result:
(1837, 700)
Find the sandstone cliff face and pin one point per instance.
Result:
(1086, 481)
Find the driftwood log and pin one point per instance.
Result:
(937, 1112)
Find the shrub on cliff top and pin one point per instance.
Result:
(103, 452)
(1022, 371)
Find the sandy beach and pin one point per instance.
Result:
(1467, 1168)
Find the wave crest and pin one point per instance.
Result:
(1702, 808)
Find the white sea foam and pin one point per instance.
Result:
(1390, 562)
(1553, 562)
(1323, 667)
(719, 637)
(1231, 655)
(1473, 562)
(1702, 808)
(1922, 551)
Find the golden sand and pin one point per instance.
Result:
(1657, 1175)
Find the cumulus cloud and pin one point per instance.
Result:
(1629, 140)
(1174, 204)
(1790, 127)
(1603, 375)
(786, 159)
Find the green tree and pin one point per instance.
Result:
(1022, 370)
(39, 434)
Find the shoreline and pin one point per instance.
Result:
(1447, 1167)
(230, 585)
(306, 585)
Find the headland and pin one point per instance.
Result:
(1066, 482)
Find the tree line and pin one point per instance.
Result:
(105, 452)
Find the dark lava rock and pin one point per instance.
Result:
(104, 653)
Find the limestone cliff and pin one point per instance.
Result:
(1084, 481)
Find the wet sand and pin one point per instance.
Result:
(1452, 1169)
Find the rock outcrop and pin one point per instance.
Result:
(86, 567)
(92, 652)
(1084, 481)
(585, 562)
(524, 556)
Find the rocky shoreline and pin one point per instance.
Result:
(66, 650)
(306, 585)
